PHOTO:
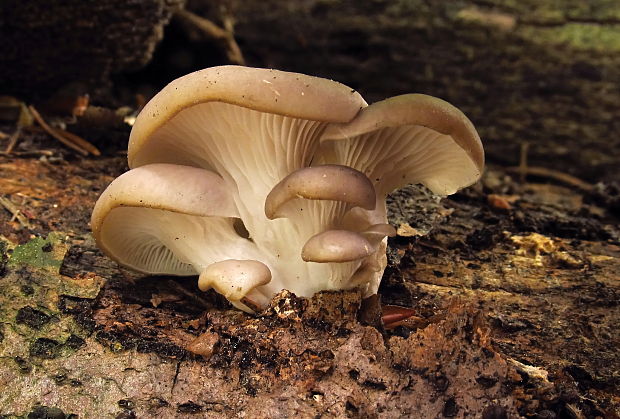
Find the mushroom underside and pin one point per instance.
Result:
(393, 157)
(165, 242)
(307, 187)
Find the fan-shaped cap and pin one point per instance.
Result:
(409, 139)
(265, 90)
(168, 194)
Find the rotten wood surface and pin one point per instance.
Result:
(45, 46)
(514, 287)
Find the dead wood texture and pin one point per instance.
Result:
(515, 293)
(514, 285)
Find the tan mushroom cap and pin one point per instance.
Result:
(271, 91)
(157, 186)
(336, 246)
(415, 109)
(234, 279)
(173, 188)
(327, 182)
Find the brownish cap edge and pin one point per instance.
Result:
(377, 232)
(273, 91)
(382, 229)
(414, 109)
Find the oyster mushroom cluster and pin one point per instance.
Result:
(260, 180)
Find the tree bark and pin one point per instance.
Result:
(47, 45)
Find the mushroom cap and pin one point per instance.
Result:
(163, 189)
(158, 186)
(416, 109)
(327, 182)
(234, 279)
(406, 139)
(265, 90)
(378, 232)
(336, 246)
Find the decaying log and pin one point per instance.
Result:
(514, 286)
(47, 45)
(515, 300)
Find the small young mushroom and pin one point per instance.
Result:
(336, 246)
(327, 182)
(261, 180)
(236, 280)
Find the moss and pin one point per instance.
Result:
(549, 11)
(75, 342)
(84, 287)
(46, 253)
(45, 348)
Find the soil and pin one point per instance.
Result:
(513, 286)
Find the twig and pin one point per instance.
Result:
(79, 141)
(524, 170)
(525, 146)
(17, 214)
(30, 153)
(55, 134)
(553, 174)
(71, 137)
(211, 31)
(13, 140)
